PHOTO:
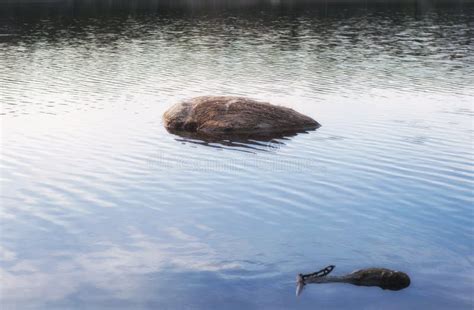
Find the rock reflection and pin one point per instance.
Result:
(241, 142)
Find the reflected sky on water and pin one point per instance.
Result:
(101, 207)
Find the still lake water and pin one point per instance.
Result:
(102, 208)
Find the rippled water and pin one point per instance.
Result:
(102, 208)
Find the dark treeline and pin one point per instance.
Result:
(11, 8)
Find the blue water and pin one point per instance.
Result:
(102, 208)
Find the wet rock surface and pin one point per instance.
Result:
(224, 116)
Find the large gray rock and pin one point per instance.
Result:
(223, 115)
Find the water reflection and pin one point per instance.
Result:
(101, 207)
(102, 7)
(95, 58)
(246, 142)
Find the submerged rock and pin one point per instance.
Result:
(382, 277)
(225, 115)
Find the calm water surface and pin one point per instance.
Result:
(102, 208)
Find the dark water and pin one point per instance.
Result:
(102, 208)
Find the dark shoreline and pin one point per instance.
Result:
(10, 8)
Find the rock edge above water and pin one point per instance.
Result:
(226, 115)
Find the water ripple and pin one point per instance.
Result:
(100, 200)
